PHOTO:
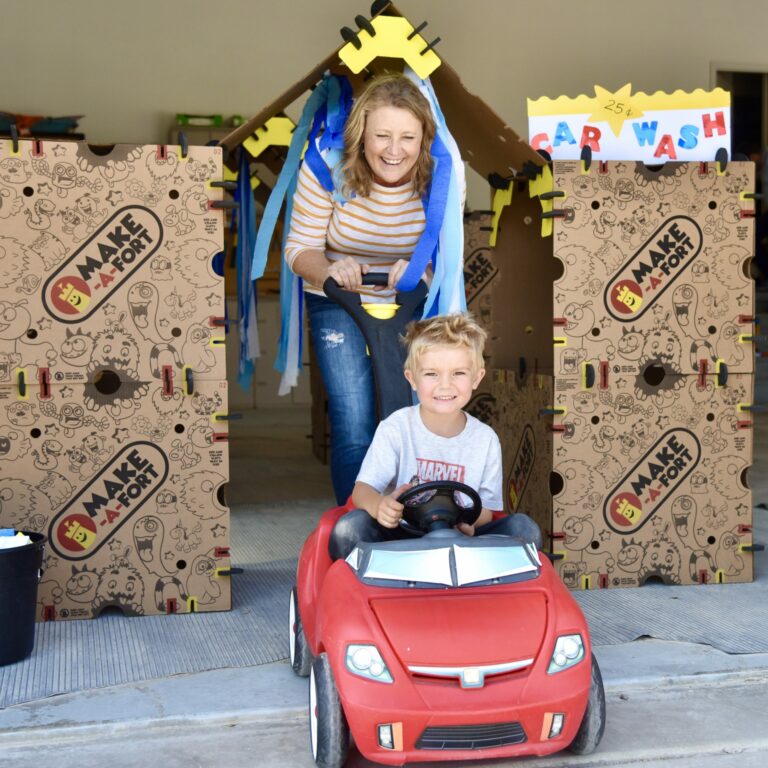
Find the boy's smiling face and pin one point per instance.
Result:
(444, 379)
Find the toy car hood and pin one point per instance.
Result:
(481, 629)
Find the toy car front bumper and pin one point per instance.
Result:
(437, 721)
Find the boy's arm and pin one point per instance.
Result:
(385, 510)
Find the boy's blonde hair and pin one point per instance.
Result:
(456, 330)
(389, 90)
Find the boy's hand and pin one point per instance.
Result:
(389, 512)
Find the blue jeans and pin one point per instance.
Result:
(348, 377)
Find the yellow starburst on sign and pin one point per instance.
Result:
(615, 108)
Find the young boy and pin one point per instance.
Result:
(434, 440)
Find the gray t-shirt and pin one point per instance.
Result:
(403, 449)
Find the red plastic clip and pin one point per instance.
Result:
(559, 321)
(37, 148)
(161, 153)
(744, 528)
(743, 425)
(220, 437)
(557, 427)
(703, 370)
(746, 214)
(605, 370)
(49, 613)
(216, 322)
(703, 577)
(557, 536)
(44, 377)
(167, 377)
(171, 606)
(221, 551)
(603, 581)
(602, 167)
(743, 319)
(703, 169)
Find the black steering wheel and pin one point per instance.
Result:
(432, 506)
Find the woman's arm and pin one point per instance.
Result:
(315, 268)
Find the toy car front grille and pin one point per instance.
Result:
(471, 736)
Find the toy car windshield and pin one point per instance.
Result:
(428, 563)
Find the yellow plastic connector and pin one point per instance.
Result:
(394, 39)
(276, 132)
(501, 199)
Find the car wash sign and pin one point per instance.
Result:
(619, 125)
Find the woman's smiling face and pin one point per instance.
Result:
(392, 143)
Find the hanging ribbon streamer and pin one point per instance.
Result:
(246, 295)
(324, 109)
(445, 204)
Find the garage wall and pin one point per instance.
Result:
(129, 66)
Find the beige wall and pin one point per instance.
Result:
(130, 65)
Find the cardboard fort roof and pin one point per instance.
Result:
(485, 141)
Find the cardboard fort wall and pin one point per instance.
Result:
(525, 281)
(112, 374)
(649, 442)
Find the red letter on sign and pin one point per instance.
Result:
(717, 124)
(591, 136)
(666, 147)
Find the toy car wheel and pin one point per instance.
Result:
(328, 728)
(593, 723)
(301, 656)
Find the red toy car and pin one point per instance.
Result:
(444, 647)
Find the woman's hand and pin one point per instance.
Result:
(348, 273)
(466, 529)
(395, 273)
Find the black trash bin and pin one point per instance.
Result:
(19, 575)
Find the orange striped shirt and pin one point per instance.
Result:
(376, 230)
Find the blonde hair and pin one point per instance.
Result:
(456, 330)
(390, 90)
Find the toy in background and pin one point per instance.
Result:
(113, 396)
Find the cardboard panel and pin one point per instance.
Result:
(653, 488)
(655, 269)
(107, 261)
(526, 443)
(132, 503)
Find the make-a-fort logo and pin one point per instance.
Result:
(102, 264)
(653, 480)
(649, 272)
(109, 500)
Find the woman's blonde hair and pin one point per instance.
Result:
(456, 330)
(390, 90)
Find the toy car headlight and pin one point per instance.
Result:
(569, 650)
(366, 661)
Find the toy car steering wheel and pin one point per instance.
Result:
(432, 506)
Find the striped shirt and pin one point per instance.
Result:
(376, 230)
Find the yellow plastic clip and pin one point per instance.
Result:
(222, 573)
(501, 199)
(394, 39)
(745, 338)
(192, 604)
(560, 341)
(586, 582)
(561, 555)
(21, 378)
(741, 407)
(276, 132)
(719, 576)
(186, 379)
(217, 341)
(718, 370)
(544, 182)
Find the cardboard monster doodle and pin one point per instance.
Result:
(112, 375)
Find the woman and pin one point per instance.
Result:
(385, 170)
